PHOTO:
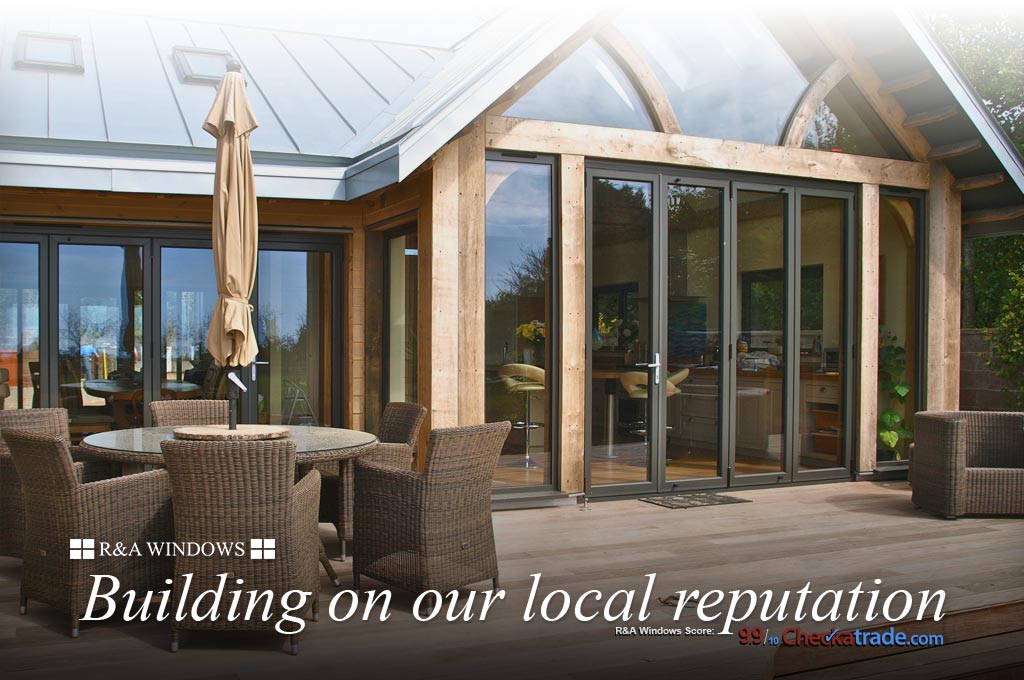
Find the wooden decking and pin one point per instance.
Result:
(832, 535)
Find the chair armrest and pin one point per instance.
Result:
(305, 532)
(940, 461)
(392, 455)
(380, 477)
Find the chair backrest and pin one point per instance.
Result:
(465, 456)
(401, 422)
(51, 421)
(236, 490)
(43, 461)
(189, 412)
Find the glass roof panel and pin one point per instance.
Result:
(725, 75)
(846, 123)
(587, 88)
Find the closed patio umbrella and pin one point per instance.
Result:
(231, 338)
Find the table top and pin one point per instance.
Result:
(120, 386)
(142, 444)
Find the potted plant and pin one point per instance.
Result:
(893, 434)
(533, 333)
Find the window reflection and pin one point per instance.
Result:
(19, 325)
(517, 317)
(845, 122)
(588, 88)
(725, 75)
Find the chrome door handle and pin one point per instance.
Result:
(253, 365)
(656, 365)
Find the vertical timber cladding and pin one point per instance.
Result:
(943, 261)
(868, 244)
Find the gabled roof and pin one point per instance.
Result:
(342, 117)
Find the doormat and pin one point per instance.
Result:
(693, 500)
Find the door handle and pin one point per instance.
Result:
(253, 365)
(656, 365)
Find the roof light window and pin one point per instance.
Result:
(49, 52)
(200, 65)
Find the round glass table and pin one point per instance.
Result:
(141, 446)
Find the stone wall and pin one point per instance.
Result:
(980, 388)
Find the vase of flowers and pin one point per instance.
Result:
(533, 335)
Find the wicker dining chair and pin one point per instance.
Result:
(430, 530)
(169, 412)
(241, 492)
(52, 421)
(399, 430)
(60, 509)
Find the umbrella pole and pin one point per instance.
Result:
(233, 395)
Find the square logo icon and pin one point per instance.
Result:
(83, 549)
(263, 548)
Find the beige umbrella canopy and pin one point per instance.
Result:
(231, 338)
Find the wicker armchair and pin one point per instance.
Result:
(968, 463)
(169, 412)
(59, 508)
(399, 429)
(235, 492)
(52, 421)
(432, 529)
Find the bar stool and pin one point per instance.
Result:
(524, 379)
(635, 383)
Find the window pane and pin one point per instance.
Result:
(822, 310)
(517, 317)
(760, 356)
(401, 338)
(100, 336)
(294, 326)
(846, 123)
(587, 88)
(19, 325)
(620, 433)
(725, 75)
(188, 288)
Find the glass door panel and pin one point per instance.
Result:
(759, 399)
(100, 336)
(822, 328)
(19, 325)
(294, 322)
(188, 291)
(621, 323)
(692, 354)
(401, 267)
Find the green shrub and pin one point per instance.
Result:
(1006, 336)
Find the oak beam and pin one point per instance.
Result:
(647, 85)
(809, 102)
(929, 117)
(533, 136)
(943, 330)
(1009, 212)
(355, 330)
(869, 235)
(961, 148)
(979, 182)
(573, 324)
(906, 82)
(472, 284)
(869, 83)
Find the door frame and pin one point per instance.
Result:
(730, 182)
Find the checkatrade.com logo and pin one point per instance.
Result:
(90, 549)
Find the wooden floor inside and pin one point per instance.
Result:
(833, 535)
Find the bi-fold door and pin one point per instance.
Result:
(719, 319)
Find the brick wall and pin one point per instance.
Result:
(980, 388)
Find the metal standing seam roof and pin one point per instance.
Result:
(342, 117)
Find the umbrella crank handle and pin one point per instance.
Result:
(253, 366)
(233, 377)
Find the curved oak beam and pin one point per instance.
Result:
(640, 74)
(812, 98)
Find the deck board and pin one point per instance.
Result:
(834, 535)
